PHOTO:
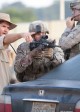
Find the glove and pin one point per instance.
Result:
(48, 52)
(35, 51)
(39, 55)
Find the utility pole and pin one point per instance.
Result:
(62, 9)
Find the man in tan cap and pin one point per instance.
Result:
(70, 39)
(5, 40)
(33, 60)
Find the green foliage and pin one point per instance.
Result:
(21, 13)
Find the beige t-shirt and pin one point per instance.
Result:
(5, 75)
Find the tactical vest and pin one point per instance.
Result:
(75, 50)
(69, 53)
(37, 69)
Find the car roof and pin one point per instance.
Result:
(69, 70)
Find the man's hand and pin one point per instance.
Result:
(48, 52)
(28, 37)
(35, 52)
(70, 23)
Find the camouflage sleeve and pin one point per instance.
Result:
(70, 38)
(22, 59)
(58, 56)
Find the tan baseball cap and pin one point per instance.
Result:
(6, 17)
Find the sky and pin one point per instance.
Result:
(30, 3)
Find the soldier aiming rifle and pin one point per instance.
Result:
(38, 57)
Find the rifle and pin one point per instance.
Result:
(43, 43)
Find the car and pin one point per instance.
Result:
(56, 91)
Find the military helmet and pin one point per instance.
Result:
(38, 26)
(75, 5)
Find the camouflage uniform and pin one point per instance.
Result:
(28, 68)
(70, 39)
